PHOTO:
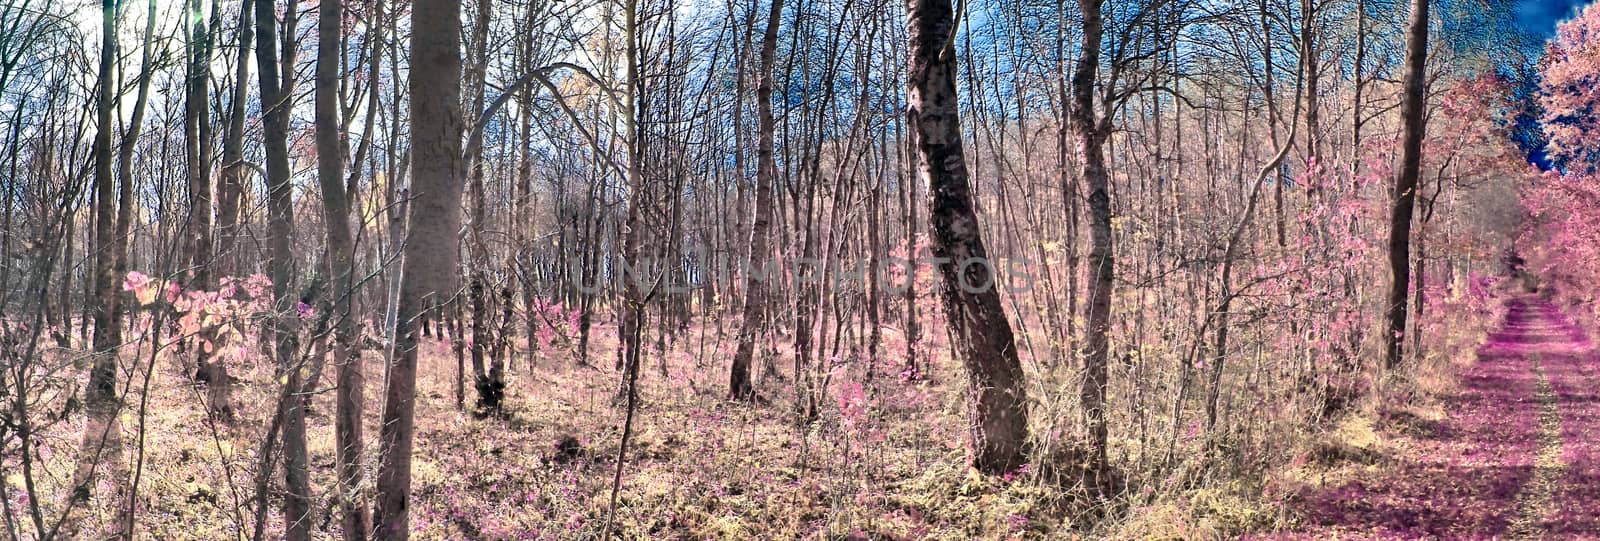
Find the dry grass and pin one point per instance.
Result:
(702, 467)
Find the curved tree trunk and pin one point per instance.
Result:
(996, 399)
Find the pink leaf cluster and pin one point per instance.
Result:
(1571, 92)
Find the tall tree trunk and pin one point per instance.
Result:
(1404, 194)
(1069, 182)
(348, 399)
(1310, 61)
(230, 187)
(525, 218)
(1230, 254)
(741, 53)
(874, 268)
(755, 291)
(197, 145)
(230, 195)
(102, 435)
(64, 295)
(197, 241)
(276, 93)
(996, 399)
(1273, 119)
(1358, 73)
(490, 384)
(913, 325)
(1091, 133)
(431, 249)
(630, 314)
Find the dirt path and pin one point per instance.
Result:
(1517, 456)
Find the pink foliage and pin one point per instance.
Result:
(1571, 92)
(219, 321)
(555, 321)
(852, 402)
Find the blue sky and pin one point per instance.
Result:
(1541, 16)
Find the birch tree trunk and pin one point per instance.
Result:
(755, 291)
(997, 402)
(1091, 134)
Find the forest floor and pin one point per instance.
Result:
(1509, 447)
(882, 462)
(1514, 451)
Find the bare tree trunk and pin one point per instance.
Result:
(996, 399)
(276, 92)
(102, 435)
(525, 218)
(1419, 280)
(1091, 133)
(230, 187)
(430, 250)
(741, 48)
(489, 383)
(630, 314)
(64, 295)
(1405, 188)
(1310, 61)
(230, 192)
(755, 300)
(1268, 83)
(197, 147)
(1358, 73)
(874, 270)
(1069, 184)
(348, 399)
(450, 322)
(1230, 255)
(197, 142)
(913, 325)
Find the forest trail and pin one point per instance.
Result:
(1516, 457)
